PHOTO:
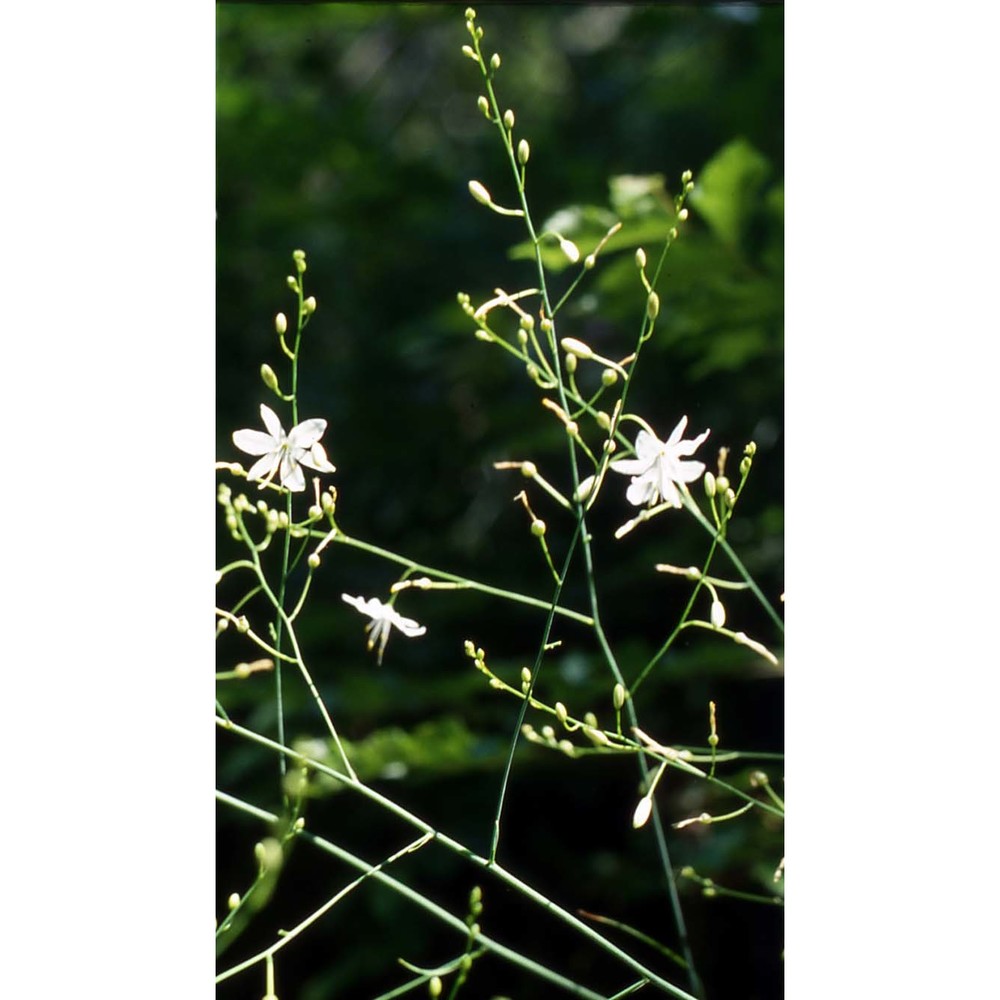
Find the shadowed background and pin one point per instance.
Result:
(351, 132)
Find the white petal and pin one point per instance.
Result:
(372, 607)
(406, 625)
(690, 447)
(678, 432)
(315, 458)
(291, 475)
(630, 466)
(253, 442)
(641, 491)
(263, 467)
(687, 472)
(271, 422)
(647, 447)
(306, 434)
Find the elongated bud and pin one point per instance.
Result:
(523, 152)
(495, 61)
(569, 248)
(642, 812)
(608, 377)
(573, 346)
(571, 363)
(268, 377)
(562, 714)
(750, 450)
(583, 490)
(480, 193)
(234, 901)
(653, 305)
(434, 986)
(467, 51)
(710, 485)
(682, 214)
(603, 420)
(525, 675)
(618, 697)
(309, 306)
(470, 14)
(640, 258)
(718, 614)
(483, 105)
(508, 119)
(686, 177)
(281, 323)
(745, 464)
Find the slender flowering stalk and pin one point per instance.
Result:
(284, 454)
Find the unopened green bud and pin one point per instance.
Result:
(689, 187)
(468, 51)
(269, 378)
(609, 376)
(313, 561)
(642, 812)
(529, 470)
(242, 625)
(745, 465)
(483, 105)
(281, 323)
(292, 283)
(434, 986)
(589, 261)
(640, 258)
(722, 483)
(653, 305)
(234, 901)
(682, 214)
(686, 176)
(470, 649)
(590, 719)
(751, 449)
(525, 675)
(618, 697)
(673, 233)
(730, 499)
(567, 748)
(545, 325)
(571, 250)
(538, 528)
(570, 363)
(572, 428)
(522, 336)
(470, 14)
(562, 714)
(523, 152)
(710, 485)
(508, 119)
(527, 321)
(718, 614)
(480, 193)
(583, 490)
(495, 61)
(476, 896)
(309, 306)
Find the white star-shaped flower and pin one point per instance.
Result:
(383, 618)
(283, 454)
(658, 466)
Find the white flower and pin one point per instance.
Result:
(658, 466)
(383, 618)
(284, 454)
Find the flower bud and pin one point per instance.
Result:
(722, 484)
(292, 283)
(640, 258)
(561, 712)
(538, 528)
(529, 470)
(745, 464)
(523, 152)
(618, 697)
(313, 561)
(686, 176)
(434, 986)
(653, 305)
(522, 336)
(718, 614)
(583, 490)
(281, 323)
(710, 485)
(470, 649)
(603, 420)
(569, 248)
(608, 377)
(470, 14)
(549, 733)
(495, 61)
(480, 193)
(589, 261)
(642, 812)
(309, 306)
(468, 51)
(508, 119)
(573, 346)
(730, 499)
(234, 901)
(483, 105)
(751, 449)
(682, 214)
(269, 378)
(570, 363)
(572, 428)
(525, 675)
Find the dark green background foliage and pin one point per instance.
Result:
(351, 132)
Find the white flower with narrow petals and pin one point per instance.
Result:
(284, 455)
(383, 618)
(658, 467)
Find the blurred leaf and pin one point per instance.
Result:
(728, 190)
